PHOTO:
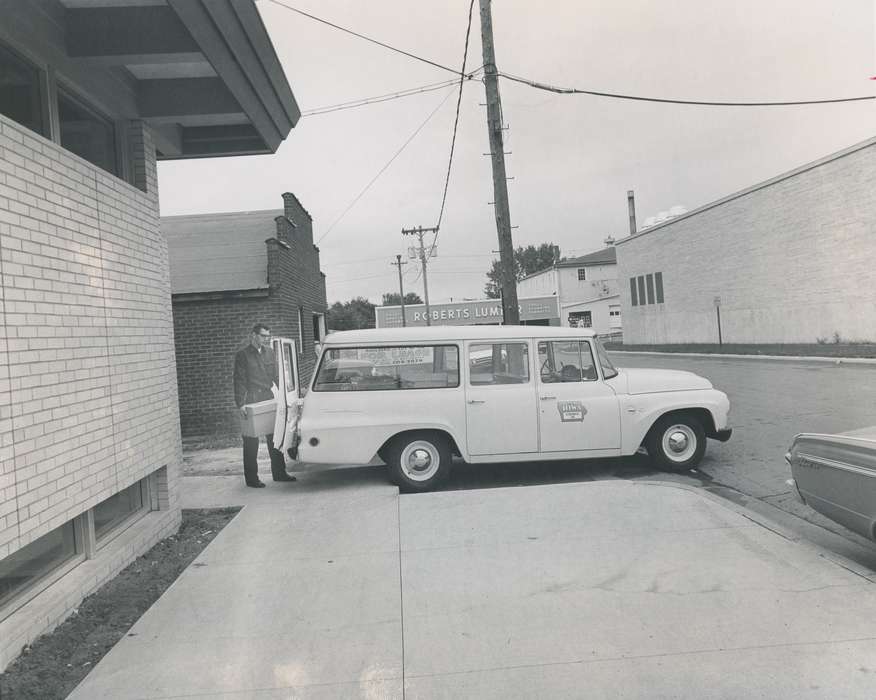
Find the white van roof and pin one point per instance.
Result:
(445, 333)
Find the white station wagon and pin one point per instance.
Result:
(414, 397)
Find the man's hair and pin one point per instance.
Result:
(259, 327)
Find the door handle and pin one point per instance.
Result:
(475, 401)
(548, 398)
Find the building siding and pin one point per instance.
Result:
(790, 262)
(88, 399)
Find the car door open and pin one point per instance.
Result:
(286, 418)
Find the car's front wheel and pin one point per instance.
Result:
(677, 442)
(418, 461)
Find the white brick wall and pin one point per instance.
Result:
(88, 399)
(792, 261)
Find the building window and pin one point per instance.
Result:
(581, 319)
(318, 327)
(21, 569)
(117, 510)
(20, 97)
(87, 134)
(582, 273)
(641, 281)
(300, 329)
(658, 280)
(649, 281)
(633, 296)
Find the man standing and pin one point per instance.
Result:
(255, 370)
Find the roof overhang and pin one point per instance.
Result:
(208, 80)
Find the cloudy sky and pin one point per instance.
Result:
(573, 157)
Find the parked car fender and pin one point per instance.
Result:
(640, 412)
(360, 439)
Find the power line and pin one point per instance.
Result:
(353, 104)
(366, 38)
(617, 96)
(356, 279)
(381, 171)
(455, 126)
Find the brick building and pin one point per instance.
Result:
(91, 95)
(789, 260)
(227, 272)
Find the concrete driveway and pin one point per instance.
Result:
(337, 587)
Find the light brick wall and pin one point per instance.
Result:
(792, 261)
(88, 399)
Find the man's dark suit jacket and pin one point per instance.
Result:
(254, 373)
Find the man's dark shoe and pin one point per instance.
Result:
(256, 485)
(285, 477)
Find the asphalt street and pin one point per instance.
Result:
(771, 401)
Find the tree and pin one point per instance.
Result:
(527, 261)
(350, 315)
(394, 298)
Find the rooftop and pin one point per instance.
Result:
(219, 252)
(205, 73)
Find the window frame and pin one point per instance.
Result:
(584, 341)
(658, 284)
(119, 527)
(22, 597)
(504, 344)
(634, 297)
(327, 351)
(118, 144)
(42, 89)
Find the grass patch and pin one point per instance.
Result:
(57, 662)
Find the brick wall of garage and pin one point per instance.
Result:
(791, 261)
(88, 401)
(210, 329)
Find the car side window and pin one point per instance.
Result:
(498, 363)
(565, 361)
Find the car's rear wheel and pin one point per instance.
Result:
(677, 442)
(418, 461)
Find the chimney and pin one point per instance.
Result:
(609, 241)
(299, 217)
(631, 205)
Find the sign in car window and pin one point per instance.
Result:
(392, 357)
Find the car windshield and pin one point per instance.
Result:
(608, 369)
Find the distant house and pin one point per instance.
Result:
(586, 287)
(227, 272)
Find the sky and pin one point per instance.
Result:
(572, 157)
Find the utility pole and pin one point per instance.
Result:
(500, 185)
(419, 232)
(401, 290)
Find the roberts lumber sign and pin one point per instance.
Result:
(467, 313)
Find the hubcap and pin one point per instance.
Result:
(420, 460)
(679, 443)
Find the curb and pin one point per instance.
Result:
(849, 554)
(786, 358)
